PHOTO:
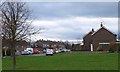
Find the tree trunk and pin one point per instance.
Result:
(13, 44)
(14, 59)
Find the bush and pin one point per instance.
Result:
(112, 47)
(99, 49)
(111, 50)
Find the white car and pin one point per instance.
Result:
(17, 53)
(27, 51)
(68, 50)
(24, 53)
(49, 51)
(57, 51)
(64, 50)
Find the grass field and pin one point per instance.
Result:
(65, 61)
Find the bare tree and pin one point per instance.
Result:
(15, 24)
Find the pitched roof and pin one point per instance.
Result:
(88, 34)
(100, 29)
(94, 32)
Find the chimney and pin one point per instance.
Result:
(101, 24)
(92, 30)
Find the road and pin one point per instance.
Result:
(35, 55)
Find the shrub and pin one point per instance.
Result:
(112, 47)
(99, 49)
(111, 50)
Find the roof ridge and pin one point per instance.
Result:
(87, 34)
(101, 28)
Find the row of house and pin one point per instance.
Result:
(20, 45)
(40, 44)
(92, 41)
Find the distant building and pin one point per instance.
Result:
(20, 45)
(76, 47)
(93, 39)
(41, 44)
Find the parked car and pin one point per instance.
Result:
(54, 51)
(57, 51)
(27, 51)
(68, 50)
(35, 51)
(24, 53)
(17, 53)
(44, 50)
(64, 50)
(49, 51)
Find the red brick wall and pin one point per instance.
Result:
(87, 41)
(102, 35)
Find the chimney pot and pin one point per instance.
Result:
(92, 30)
(101, 24)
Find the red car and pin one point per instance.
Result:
(35, 51)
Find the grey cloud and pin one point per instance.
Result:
(71, 29)
(64, 35)
(65, 9)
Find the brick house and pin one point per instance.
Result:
(20, 45)
(94, 39)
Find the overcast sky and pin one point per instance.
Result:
(72, 20)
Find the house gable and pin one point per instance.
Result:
(102, 35)
(88, 34)
(103, 28)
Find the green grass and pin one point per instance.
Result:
(65, 61)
